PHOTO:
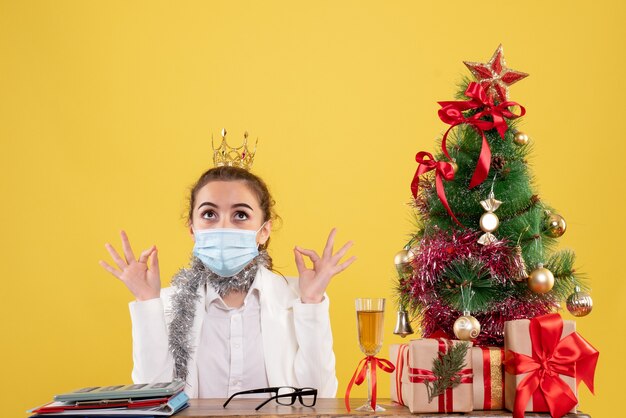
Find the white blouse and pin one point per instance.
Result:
(230, 350)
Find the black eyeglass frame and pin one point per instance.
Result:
(297, 393)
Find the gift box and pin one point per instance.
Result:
(399, 356)
(487, 366)
(419, 378)
(545, 359)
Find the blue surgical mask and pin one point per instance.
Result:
(225, 251)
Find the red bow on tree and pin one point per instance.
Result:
(552, 356)
(442, 170)
(452, 114)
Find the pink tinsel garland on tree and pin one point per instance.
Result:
(435, 252)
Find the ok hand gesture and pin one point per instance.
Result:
(143, 282)
(314, 281)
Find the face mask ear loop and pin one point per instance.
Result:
(259, 230)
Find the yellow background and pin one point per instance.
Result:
(106, 114)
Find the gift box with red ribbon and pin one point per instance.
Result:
(414, 377)
(399, 355)
(545, 360)
(487, 366)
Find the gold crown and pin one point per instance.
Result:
(241, 156)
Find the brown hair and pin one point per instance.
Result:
(254, 183)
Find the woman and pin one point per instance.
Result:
(228, 323)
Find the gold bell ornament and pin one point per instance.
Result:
(403, 324)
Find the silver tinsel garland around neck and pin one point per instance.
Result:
(187, 281)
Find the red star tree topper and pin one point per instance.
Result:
(494, 76)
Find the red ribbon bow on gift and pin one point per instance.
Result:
(361, 373)
(442, 170)
(551, 356)
(452, 114)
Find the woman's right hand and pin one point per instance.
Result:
(143, 282)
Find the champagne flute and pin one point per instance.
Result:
(369, 314)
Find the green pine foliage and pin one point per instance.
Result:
(467, 286)
(446, 369)
(561, 264)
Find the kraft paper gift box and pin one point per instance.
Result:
(488, 377)
(399, 356)
(517, 339)
(545, 359)
(422, 352)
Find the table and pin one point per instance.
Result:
(325, 407)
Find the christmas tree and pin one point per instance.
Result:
(484, 247)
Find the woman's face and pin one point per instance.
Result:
(229, 204)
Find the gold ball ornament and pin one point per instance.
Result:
(489, 222)
(541, 280)
(402, 260)
(555, 225)
(466, 327)
(521, 138)
(579, 303)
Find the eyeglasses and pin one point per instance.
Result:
(284, 395)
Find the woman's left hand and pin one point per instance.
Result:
(314, 281)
